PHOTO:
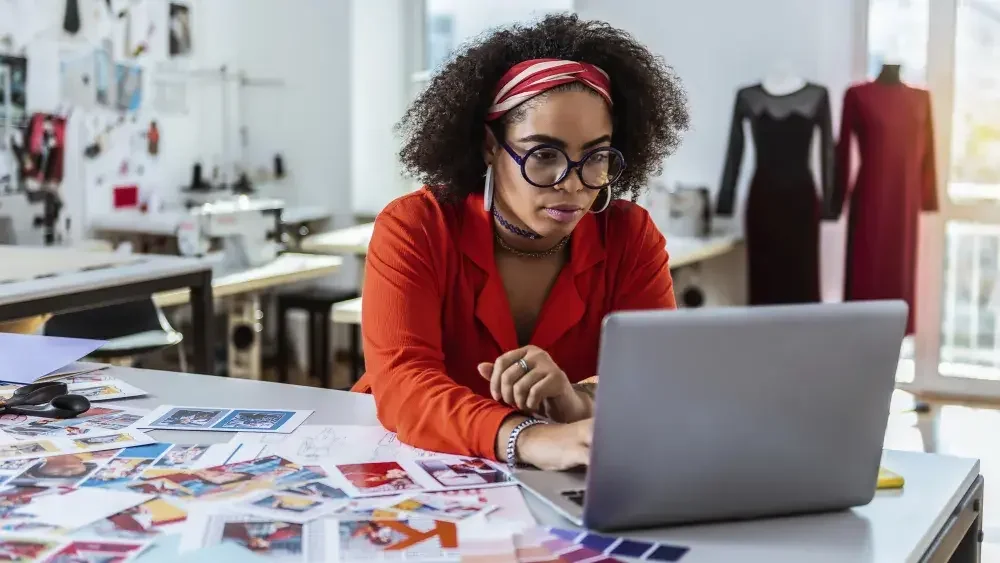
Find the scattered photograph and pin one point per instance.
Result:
(181, 456)
(319, 489)
(143, 521)
(379, 478)
(441, 507)
(189, 418)
(22, 449)
(266, 537)
(15, 464)
(57, 471)
(464, 472)
(108, 392)
(145, 451)
(117, 473)
(425, 539)
(287, 507)
(287, 502)
(102, 440)
(14, 497)
(96, 551)
(255, 420)
(180, 29)
(24, 550)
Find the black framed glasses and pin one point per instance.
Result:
(544, 166)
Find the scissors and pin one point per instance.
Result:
(50, 399)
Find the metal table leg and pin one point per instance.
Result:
(203, 319)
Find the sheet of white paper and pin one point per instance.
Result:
(26, 357)
(220, 419)
(107, 390)
(333, 444)
(79, 507)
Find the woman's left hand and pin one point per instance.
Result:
(543, 389)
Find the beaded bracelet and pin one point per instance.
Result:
(512, 441)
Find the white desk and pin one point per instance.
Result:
(73, 290)
(350, 240)
(923, 522)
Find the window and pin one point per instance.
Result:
(897, 34)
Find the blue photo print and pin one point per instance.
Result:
(250, 420)
(188, 417)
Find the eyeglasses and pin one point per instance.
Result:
(545, 166)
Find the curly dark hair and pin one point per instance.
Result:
(443, 131)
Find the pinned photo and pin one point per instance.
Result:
(464, 473)
(379, 478)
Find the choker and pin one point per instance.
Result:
(526, 254)
(514, 228)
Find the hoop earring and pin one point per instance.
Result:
(607, 202)
(488, 189)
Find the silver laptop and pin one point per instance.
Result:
(734, 413)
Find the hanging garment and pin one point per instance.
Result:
(782, 208)
(896, 179)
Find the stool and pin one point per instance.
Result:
(317, 303)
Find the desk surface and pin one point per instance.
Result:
(147, 268)
(684, 251)
(896, 526)
(285, 269)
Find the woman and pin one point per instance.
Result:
(485, 292)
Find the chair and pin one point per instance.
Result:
(317, 303)
(131, 329)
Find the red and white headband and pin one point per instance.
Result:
(531, 78)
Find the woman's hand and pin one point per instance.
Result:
(543, 389)
(556, 447)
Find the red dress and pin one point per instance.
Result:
(896, 180)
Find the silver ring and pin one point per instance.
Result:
(524, 365)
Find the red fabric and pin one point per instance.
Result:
(125, 196)
(435, 307)
(896, 180)
(530, 78)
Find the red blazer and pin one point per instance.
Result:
(435, 307)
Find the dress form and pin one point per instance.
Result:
(782, 81)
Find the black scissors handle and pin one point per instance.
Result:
(36, 393)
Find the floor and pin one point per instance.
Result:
(961, 430)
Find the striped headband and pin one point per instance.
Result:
(531, 78)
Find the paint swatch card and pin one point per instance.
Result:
(428, 474)
(170, 417)
(48, 447)
(96, 420)
(566, 542)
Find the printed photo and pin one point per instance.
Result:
(441, 507)
(93, 551)
(379, 478)
(13, 497)
(254, 420)
(24, 550)
(97, 393)
(266, 537)
(287, 502)
(464, 472)
(181, 456)
(180, 30)
(17, 69)
(15, 464)
(189, 418)
(368, 509)
(146, 451)
(429, 539)
(319, 489)
(102, 440)
(129, 80)
(117, 473)
(56, 471)
(27, 448)
(139, 522)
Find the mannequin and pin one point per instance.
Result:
(782, 81)
(890, 74)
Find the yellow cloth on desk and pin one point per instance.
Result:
(889, 480)
(27, 325)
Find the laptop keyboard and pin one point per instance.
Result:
(576, 496)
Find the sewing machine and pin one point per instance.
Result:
(239, 232)
(30, 218)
